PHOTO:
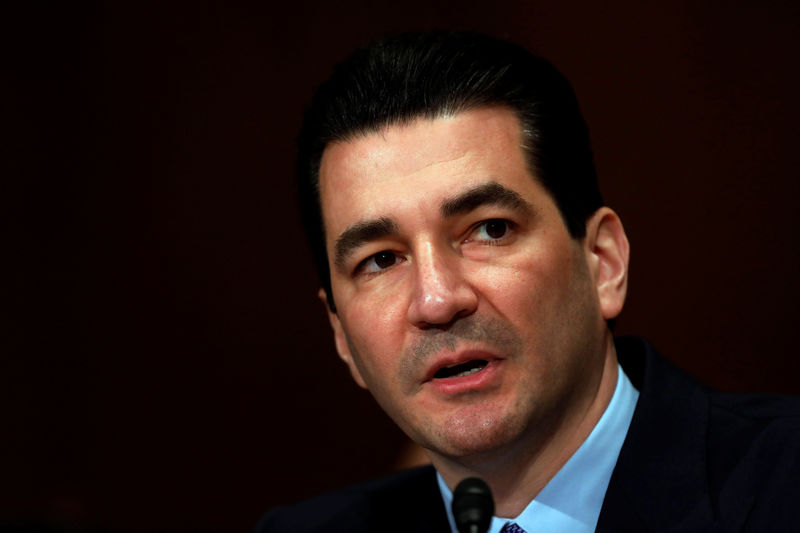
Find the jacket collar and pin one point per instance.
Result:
(660, 481)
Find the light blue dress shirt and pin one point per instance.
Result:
(571, 501)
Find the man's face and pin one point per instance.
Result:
(463, 304)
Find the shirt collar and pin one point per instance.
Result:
(571, 501)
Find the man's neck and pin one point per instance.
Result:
(518, 471)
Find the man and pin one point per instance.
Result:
(471, 272)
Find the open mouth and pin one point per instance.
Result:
(461, 370)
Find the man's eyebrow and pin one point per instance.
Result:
(359, 234)
(491, 193)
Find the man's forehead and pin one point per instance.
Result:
(407, 148)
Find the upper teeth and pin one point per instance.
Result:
(468, 372)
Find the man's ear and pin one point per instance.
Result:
(608, 253)
(340, 338)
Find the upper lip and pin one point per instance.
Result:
(457, 358)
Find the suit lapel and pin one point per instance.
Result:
(660, 480)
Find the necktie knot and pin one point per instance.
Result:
(511, 527)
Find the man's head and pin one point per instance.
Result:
(439, 74)
(472, 265)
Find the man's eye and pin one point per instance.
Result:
(490, 230)
(379, 261)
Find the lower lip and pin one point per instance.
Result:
(473, 382)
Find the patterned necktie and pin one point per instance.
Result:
(511, 527)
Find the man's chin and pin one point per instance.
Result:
(463, 437)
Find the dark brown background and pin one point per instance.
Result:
(165, 363)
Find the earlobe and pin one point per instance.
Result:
(609, 253)
(340, 339)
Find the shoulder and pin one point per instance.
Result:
(762, 430)
(408, 499)
(754, 441)
(732, 458)
(759, 408)
(757, 432)
(752, 461)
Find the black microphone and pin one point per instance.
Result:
(473, 506)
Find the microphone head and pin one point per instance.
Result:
(473, 506)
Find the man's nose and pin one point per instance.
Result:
(441, 293)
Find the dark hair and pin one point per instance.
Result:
(433, 74)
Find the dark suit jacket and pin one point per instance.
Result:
(693, 460)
